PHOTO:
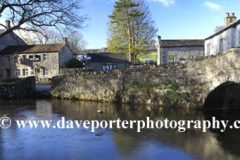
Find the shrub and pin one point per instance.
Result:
(74, 63)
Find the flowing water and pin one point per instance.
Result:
(81, 143)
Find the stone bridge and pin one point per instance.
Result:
(185, 84)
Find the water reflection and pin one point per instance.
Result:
(116, 143)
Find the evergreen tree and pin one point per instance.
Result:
(133, 31)
(122, 19)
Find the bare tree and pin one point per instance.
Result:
(47, 36)
(76, 41)
(34, 15)
(50, 36)
(218, 28)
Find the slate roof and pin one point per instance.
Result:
(181, 43)
(108, 57)
(103, 50)
(231, 25)
(86, 51)
(21, 49)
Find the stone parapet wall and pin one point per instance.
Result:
(176, 84)
(72, 71)
(17, 88)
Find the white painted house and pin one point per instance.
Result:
(226, 38)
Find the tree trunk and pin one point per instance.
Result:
(129, 42)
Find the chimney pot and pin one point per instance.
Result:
(7, 24)
(233, 14)
(227, 14)
(64, 40)
(159, 38)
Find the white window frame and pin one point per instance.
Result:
(44, 56)
(45, 72)
(25, 72)
(17, 72)
(24, 59)
(239, 37)
(208, 49)
(8, 59)
(221, 45)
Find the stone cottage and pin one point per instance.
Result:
(42, 61)
(106, 61)
(102, 60)
(178, 50)
(224, 39)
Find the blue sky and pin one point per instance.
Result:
(175, 19)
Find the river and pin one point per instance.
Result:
(81, 143)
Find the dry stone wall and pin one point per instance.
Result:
(184, 84)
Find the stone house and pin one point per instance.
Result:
(224, 39)
(106, 61)
(102, 60)
(42, 61)
(178, 50)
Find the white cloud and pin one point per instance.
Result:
(212, 6)
(165, 2)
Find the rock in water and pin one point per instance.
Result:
(225, 96)
(99, 134)
(100, 111)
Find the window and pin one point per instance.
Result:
(181, 59)
(44, 57)
(221, 45)
(239, 37)
(171, 59)
(15, 59)
(8, 59)
(24, 58)
(45, 72)
(25, 72)
(109, 67)
(208, 49)
(190, 57)
(34, 58)
(17, 72)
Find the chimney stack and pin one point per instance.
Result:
(7, 24)
(230, 19)
(65, 40)
(159, 40)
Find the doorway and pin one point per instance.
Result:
(8, 74)
(37, 73)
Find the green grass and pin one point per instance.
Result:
(172, 96)
(148, 56)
